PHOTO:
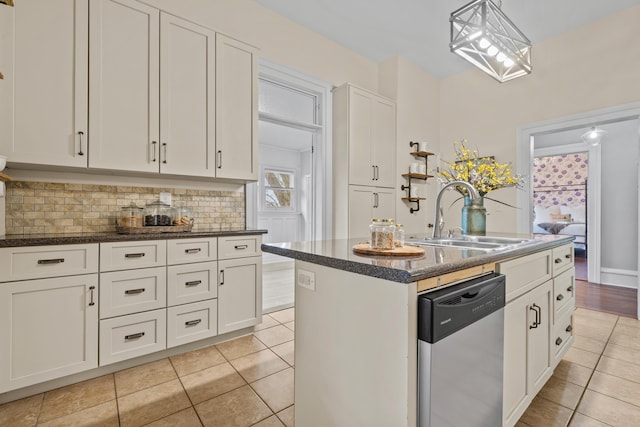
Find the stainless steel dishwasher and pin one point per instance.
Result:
(460, 354)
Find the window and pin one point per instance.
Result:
(279, 190)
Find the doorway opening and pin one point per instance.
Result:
(292, 196)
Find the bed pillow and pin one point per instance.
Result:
(578, 213)
(544, 214)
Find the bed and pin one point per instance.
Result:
(565, 220)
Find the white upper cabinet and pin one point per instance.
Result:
(124, 85)
(236, 109)
(43, 97)
(187, 94)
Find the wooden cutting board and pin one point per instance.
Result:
(363, 248)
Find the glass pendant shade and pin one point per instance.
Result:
(593, 136)
(484, 36)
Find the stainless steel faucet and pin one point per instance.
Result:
(439, 222)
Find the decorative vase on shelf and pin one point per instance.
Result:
(474, 217)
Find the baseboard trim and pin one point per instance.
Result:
(619, 277)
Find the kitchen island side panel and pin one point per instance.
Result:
(348, 326)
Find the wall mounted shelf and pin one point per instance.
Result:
(412, 175)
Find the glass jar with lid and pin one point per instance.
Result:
(398, 238)
(182, 216)
(130, 216)
(382, 231)
(158, 213)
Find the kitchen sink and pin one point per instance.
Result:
(482, 243)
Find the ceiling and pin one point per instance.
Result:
(419, 29)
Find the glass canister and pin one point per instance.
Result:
(158, 213)
(130, 216)
(398, 238)
(182, 216)
(381, 233)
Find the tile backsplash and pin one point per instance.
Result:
(44, 207)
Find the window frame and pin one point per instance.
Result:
(263, 189)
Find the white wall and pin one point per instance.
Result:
(593, 67)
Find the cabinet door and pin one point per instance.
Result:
(187, 91)
(49, 329)
(361, 168)
(239, 293)
(385, 206)
(236, 110)
(383, 142)
(361, 207)
(124, 86)
(46, 89)
(515, 393)
(538, 339)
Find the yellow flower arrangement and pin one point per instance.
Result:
(484, 173)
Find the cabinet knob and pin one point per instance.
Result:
(558, 260)
(558, 341)
(569, 328)
(570, 289)
(560, 297)
(568, 256)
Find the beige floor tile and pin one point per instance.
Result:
(287, 416)
(267, 322)
(521, 424)
(240, 407)
(619, 368)
(619, 352)
(76, 397)
(580, 420)
(628, 321)
(285, 351)
(572, 372)
(626, 336)
(561, 392)
(609, 410)
(21, 413)
(592, 328)
(545, 413)
(211, 382)
(274, 336)
(197, 360)
(272, 421)
(144, 376)
(276, 390)
(152, 404)
(258, 365)
(103, 415)
(618, 388)
(240, 347)
(598, 315)
(284, 316)
(291, 325)
(582, 357)
(185, 418)
(589, 344)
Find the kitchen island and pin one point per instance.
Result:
(356, 324)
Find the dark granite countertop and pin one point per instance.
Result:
(406, 269)
(15, 240)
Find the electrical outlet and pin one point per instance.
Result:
(165, 198)
(307, 279)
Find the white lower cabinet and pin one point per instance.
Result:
(132, 291)
(48, 329)
(239, 293)
(192, 322)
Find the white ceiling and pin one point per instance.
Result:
(419, 29)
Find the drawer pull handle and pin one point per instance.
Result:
(133, 336)
(568, 256)
(192, 322)
(536, 322)
(92, 288)
(570, 289)
(192, 251)
(558, 341)
(221, 277)
(138, 255)
(569, 328)
(51, 261)
(80, 134)
(193, 283)
(560, 297)
(558, 260)
(134, 291)
(241, 247)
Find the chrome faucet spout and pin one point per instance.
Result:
(473, 193)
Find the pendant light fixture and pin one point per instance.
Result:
(484, 36)
(593, 136)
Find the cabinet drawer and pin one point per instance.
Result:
(128, 255)
(36, 262)
(563, 292)
(192, 322)
(132, 291)
(525, 273)
(562, 258)
(192, 250)
(562, 337)
(134, 335)
(238, 247)
(191, 282)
